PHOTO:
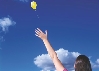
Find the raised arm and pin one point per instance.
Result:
(51, 52)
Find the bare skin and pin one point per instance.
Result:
(51, 52)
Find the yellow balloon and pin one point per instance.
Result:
(33, 5)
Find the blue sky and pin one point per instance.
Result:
(73, 29)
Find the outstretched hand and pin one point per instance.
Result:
(40, 34)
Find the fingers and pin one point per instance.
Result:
(36, 35)
(39, 30)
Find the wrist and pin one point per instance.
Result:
(44, 40)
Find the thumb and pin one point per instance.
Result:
(46, 32)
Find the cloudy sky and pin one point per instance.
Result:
(73, 29)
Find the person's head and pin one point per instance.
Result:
(82, 63)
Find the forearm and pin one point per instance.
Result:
(49, 48)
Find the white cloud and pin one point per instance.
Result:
(95, 65)
(5, 23)
(97, 61)
(67, 58)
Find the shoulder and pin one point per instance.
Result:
(65, 70)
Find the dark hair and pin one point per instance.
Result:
(82, 63)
